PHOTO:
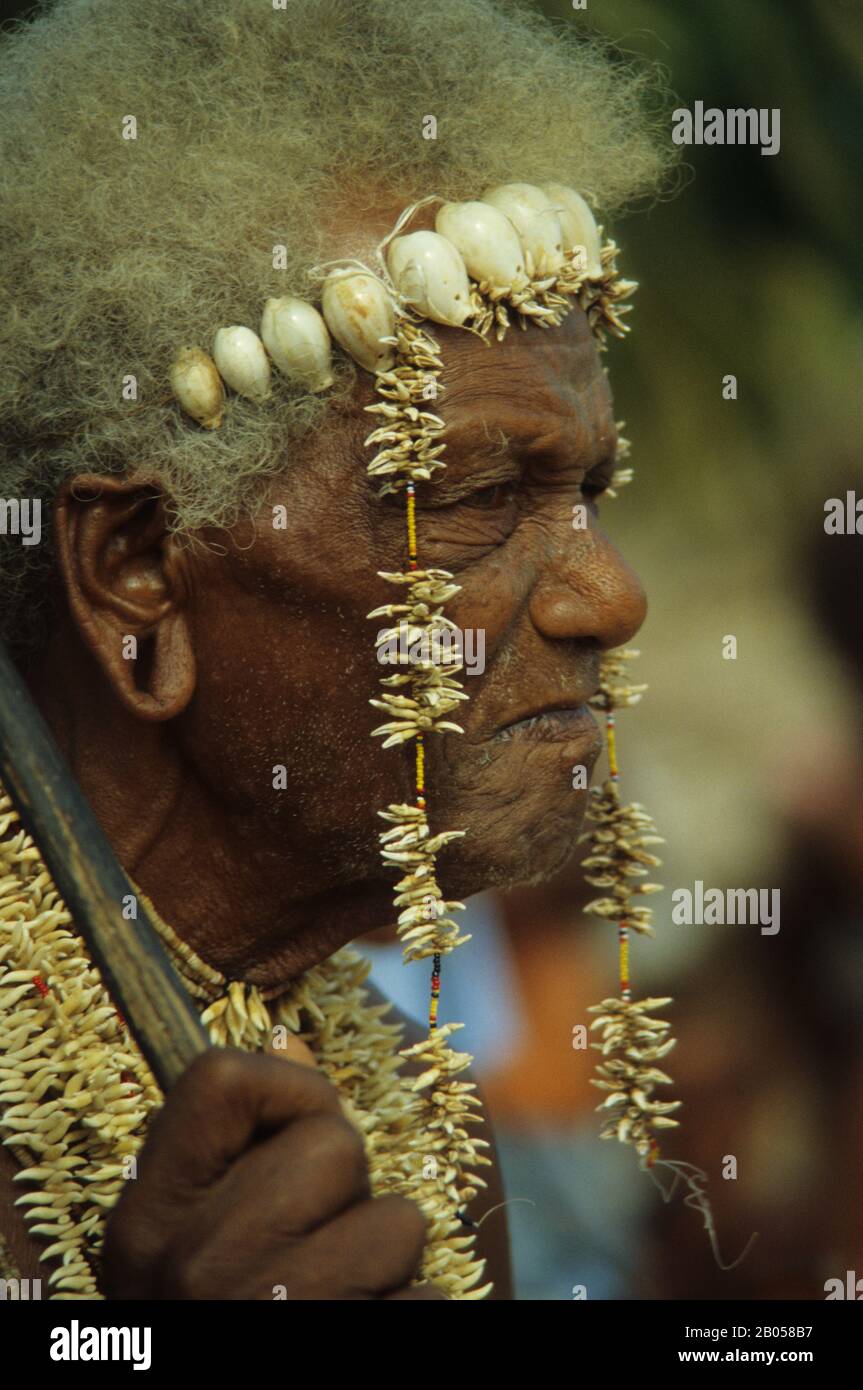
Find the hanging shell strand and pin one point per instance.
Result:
(620, 854)
(411, 454)
(632, 1039)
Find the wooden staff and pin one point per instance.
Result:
(130, 954)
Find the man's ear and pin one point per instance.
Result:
(124, 579)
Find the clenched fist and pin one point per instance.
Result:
(251, 1181)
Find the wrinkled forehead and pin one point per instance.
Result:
(550, 379)
(543, 391)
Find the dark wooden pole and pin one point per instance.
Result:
(130, 954)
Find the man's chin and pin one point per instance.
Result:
(517, 850)
(521, 807)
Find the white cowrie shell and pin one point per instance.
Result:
(242, 362)
(296, 338)
(486, 241)
(359, 312)
(198, 387)
(428, 270)
(577, 222)
(531, 213)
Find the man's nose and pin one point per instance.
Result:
(586, 589)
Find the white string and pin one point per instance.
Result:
(697, 1200)
(320, 272)
(403, 219)
(501, 1205)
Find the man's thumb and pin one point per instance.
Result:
(291, 1049)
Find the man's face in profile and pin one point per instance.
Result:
(285, 654)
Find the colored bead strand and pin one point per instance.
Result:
(421, 770)
(623, 941)
(412, 560)
(622, 929)
(412, 525)
(420, 751)
(612, 747)
(435, 993)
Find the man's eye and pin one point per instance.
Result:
(596, 483)
(490, 498)
(591, 491)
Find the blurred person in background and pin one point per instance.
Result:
(773, 1067)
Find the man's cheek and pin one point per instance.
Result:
(486, 612)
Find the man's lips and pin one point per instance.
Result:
(552, 724)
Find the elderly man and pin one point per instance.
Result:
(196, 630)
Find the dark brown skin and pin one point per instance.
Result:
(263, 655)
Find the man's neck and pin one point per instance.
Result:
(253, 901)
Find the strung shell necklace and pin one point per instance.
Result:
(76, 1096)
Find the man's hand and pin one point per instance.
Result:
(251, 1182)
